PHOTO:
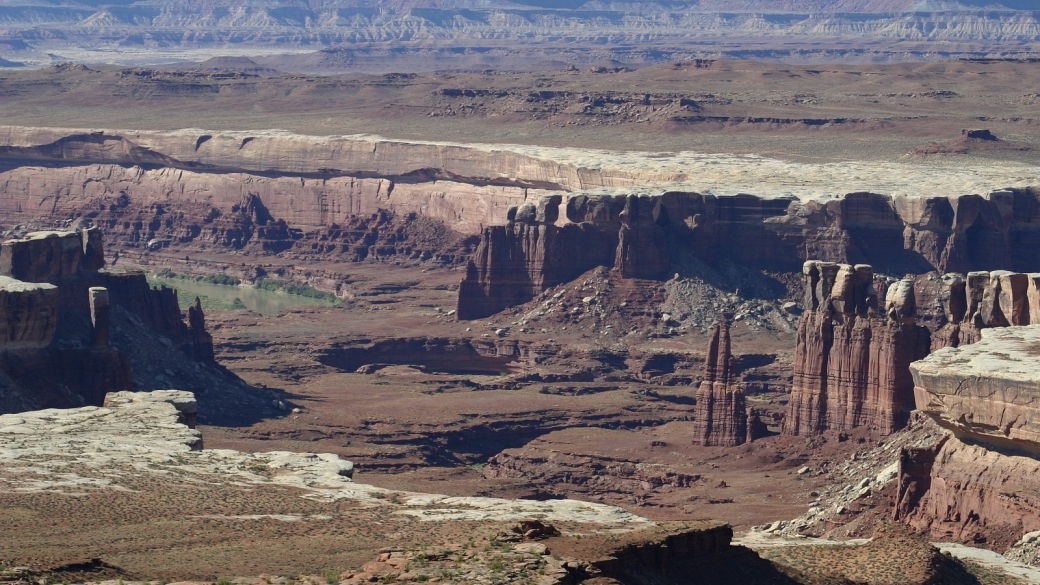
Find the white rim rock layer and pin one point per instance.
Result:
(566, 169)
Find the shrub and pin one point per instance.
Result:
(221, 279)
(302, 290)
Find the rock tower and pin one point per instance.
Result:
(721, 416)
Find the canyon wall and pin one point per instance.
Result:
(851, 366)
(55, 320)
(979, 485)
(640, 235)
(352, 198)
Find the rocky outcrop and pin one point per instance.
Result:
(721, 417)
(851, 366)
(56, 315)
(199, 341)
(985, 299)
(74, 261)
(978, 494)
(519, 260)
(151, 432)
(914, 476)
(989, 390)
(100, 317)
(642, 250)
(977, 485)
(642, 234)
(28, 313)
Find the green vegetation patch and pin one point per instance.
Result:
(302, 290)
(221, 279)
(186, 298)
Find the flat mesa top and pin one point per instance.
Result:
(574, 170)
(734, 174)
(1007, 353)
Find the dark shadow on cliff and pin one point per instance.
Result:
(224, 398)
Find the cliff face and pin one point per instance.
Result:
(55, 319)
(981, 484)
(721, 416)
(851, 366)
(531, 253)
(354, 197)
(989, 390)
(275, 192)
(30, 314)
(643, 233)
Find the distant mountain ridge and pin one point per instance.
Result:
(150, 31)
(317, 7)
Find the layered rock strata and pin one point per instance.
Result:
(278, 193)
(989, 390)
(721, 417)
(28, 313)
(851, 366)
(980, 483)
(640, 235)
(985, 299)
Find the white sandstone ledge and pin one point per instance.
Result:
(989, 389)
(80, 450)
(1007, 354)
(572, 170)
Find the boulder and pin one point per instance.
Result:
(900, 302)
(526, 213)
(548, 210)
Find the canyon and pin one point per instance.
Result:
(592, 337)
(226, 192)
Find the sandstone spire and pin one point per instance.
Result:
(721, 413)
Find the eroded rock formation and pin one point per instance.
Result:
(357, 198)
(989, 390)
(641, 235)
(851, 366)
(55, 321)
(985, 299)
(721, 417)
(980, 485)
(28, 313)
